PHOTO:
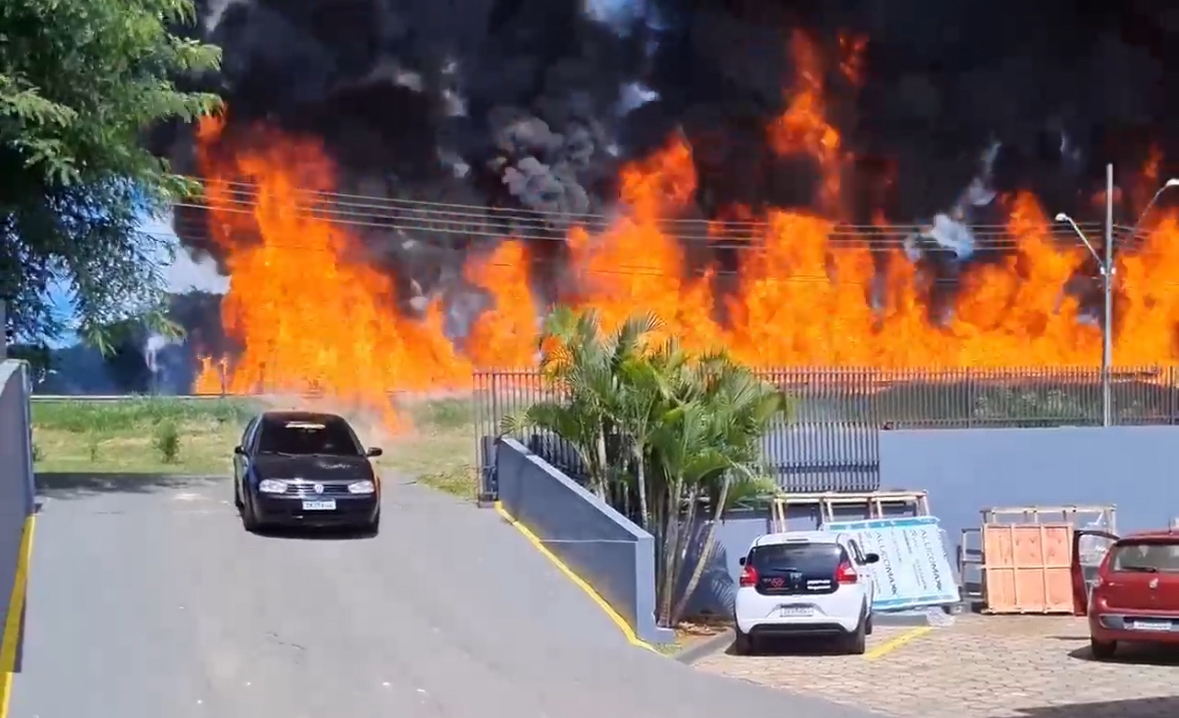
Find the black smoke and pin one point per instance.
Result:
(531, 104)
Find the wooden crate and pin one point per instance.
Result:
(1026, 567)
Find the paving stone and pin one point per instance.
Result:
(979, 667)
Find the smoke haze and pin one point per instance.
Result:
(534, 104)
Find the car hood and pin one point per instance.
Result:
(313, 468)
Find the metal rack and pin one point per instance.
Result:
(832, 506)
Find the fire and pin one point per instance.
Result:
(310, 317)
(313, 314)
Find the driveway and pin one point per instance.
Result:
(147, 599)
(979, 667)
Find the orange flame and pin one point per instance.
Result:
(313, 315)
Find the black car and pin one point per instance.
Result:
(305, 468)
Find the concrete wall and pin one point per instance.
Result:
(16, 473)
(599, 544)
(966, 470)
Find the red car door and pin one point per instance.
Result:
(1082, 583)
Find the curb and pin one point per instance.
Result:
(704, 649)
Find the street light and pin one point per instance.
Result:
(1107, 270)
(1106, 263)
(1173, 182)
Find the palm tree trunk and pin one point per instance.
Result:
(641, 471)
(600, 483)
(671, 519)
(678, 546)
(705, 554)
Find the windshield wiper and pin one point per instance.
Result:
(1141, 569)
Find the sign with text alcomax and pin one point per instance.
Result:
(914, 570)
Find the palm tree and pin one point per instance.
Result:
(689, 427)
(584, 366)
(708, 445)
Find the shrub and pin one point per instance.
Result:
(166, 440)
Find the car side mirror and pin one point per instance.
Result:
(871, 558)
(374, 451)
(239, 451)
(741, 561)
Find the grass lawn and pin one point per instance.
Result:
(184, 436)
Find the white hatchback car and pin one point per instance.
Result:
(804, 583)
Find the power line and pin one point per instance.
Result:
(839, 237)
(427, 216)
(690, 272)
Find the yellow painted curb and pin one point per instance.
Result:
(890, 645)
(16, 606)
(578, 581)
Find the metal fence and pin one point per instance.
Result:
(829, 440)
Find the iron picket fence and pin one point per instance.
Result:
(829, 440)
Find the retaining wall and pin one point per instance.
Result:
(599, 544)
(16, 474)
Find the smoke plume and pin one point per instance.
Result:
(533, 104)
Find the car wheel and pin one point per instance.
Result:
(374, 527)
(742, 642)
(868, 626)
(1103, 650)
(857, 642)
(249, 519)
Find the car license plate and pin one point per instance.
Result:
(794, 611)
(1152, 625)
(319, 505)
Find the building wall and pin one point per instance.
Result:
(966, 470)
(1136, 469)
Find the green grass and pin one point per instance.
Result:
(461, 481)
(150, 435)
(185, 436)
(82, 417)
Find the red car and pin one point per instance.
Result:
(1133, 596)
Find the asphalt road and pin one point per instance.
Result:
(147, 599)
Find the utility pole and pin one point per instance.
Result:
(1106, 261)
(1107, 271)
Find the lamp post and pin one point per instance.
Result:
(1173, 182)
(1106, 262)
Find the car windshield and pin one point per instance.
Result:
(813, 559)
(328, 437)
(1146, 556)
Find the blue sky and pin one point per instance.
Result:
(182, 273)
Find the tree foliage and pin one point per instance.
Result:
(662, 433)
(80, 82)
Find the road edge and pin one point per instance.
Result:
(703, 649)
(16, 610)
(578, 581)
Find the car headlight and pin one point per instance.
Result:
(272, 486)
(361, 487)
